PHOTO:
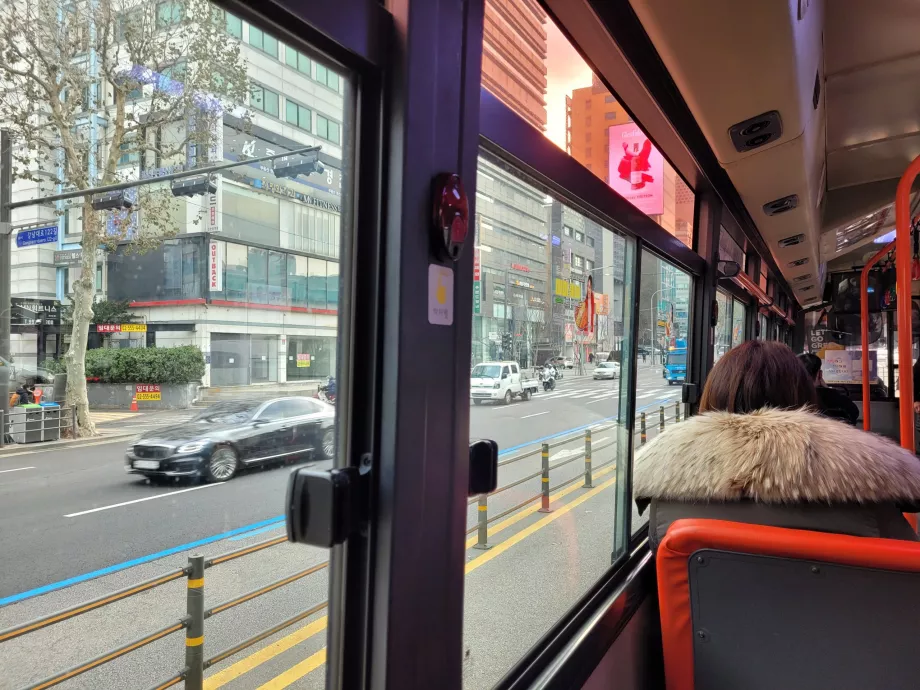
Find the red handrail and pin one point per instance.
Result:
(905, 334)
(864, 325)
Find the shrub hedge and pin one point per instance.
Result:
(183, 364)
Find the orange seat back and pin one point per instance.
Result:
(762, 567)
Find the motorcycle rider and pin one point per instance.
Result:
(330, 389)
(549, 376)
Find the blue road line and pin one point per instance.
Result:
(577, 428)
(270, 528)
(136, 561)
(556, 435)
(653, 403)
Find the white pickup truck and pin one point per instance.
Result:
(500, 381)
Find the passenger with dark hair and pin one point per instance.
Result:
(831, 403)
(758, 454)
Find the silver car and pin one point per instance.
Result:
(606, 370)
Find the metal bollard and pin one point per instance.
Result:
(643, 437)
(2, 429)
(661, 418)
(194, 634)
(544, 498)
(677, 411)
(482, 541)
(589, 479)
(73, 422)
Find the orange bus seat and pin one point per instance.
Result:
(748, 607)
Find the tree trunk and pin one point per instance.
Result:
(83, 292)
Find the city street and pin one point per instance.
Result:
(73, 525)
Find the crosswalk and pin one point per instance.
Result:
(594, 394)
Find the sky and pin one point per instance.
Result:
(565, 71)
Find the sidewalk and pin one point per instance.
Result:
(111, 426)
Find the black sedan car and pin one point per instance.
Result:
(232, 435)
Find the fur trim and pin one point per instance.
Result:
(774, 456)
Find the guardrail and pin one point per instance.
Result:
(50, 428)
(196, 614)
(192, 622)
(546, 467)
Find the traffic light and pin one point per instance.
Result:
(292, 166)
(110, 200)
(506, 343)
(193, 186)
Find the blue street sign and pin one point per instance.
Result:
(27, 238)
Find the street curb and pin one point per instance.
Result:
(13, 449)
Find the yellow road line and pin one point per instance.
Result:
(503, 546)
(265, 654)
(530, 510)
(295, 673)
(317, 659)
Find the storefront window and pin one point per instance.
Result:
(297, 280)
(236, 277)
(277, 293)
(258, 275)
(317, 284)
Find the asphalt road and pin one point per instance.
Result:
(68, 517)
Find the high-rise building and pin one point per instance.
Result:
(514, 57)
(251, 273)
(590, 113)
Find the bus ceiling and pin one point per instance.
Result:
(810, 107)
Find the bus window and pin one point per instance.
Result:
(664, 323)
(550, 286)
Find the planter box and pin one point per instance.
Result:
(117, 396)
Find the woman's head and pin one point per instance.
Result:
(757, 374)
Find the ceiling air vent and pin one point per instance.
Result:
(816, 93)
(777, 206)
(798, 262)
(792, 241)
(757, 131)
(802, 279)
(806, 288)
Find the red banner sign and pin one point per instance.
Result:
(521, 267)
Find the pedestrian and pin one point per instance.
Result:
(644, 356)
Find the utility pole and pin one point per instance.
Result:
(6, 271)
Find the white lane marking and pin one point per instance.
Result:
(535, 414)
(591, 402)
(141, 500)
(647, 395)
(17, 469)
(564, 454)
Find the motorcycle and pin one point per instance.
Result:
(549, 381)
(327, 393)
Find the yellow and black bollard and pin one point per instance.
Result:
(677, 411)
(589, 479)
(643, 437)
(544, 480)
(194, 634)
(482, 541)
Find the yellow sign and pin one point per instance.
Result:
(134, 328)
(148, 396)
(566, 289)
(303, 360)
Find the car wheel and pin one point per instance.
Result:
(508, 397)
(476, 401)
(327, 443)
(223, 464)
(527, 394)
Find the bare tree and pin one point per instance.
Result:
(88, 85)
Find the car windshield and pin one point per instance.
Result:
(607, 365)
(487, 370)
(677, 358)
(227, 413)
